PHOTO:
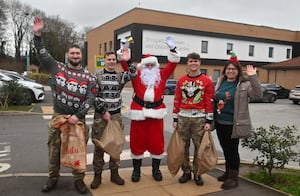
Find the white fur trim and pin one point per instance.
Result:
(149, 60)
(174, 57)
(155, 156)
(133, 156)
(147, 113)
(149, 94)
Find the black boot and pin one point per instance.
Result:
(225, 175)
(50, 185)
(198, 180)
(115, 177)
(97, 180)
(185, 177)
(80, 186)
(155, 170)
(136, 174)
(232, 180)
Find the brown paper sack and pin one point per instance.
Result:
(73, 146)
(112, 140)
(175, 152)
(207, 155)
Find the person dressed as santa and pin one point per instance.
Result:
(147, 110)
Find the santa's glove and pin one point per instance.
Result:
(174, 57)
(171, 43)
(131, 67)
(99, 106)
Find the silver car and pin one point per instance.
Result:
(295, 94)
(37, 90)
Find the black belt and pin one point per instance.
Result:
(147, 104)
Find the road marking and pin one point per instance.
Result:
(4, 167)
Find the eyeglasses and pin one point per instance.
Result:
(231, 68)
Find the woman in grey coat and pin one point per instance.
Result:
(231, 114)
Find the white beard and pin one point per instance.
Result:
(150, 77)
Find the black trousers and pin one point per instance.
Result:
(230, 146)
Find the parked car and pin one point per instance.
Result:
(295, 94)
(16, 75)
(280, 90)
(37, 90)
(268, 96)
(170, 87)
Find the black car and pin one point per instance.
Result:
(268, 96)
(170, 87)
(280, 90)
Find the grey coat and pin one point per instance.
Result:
(246, 87)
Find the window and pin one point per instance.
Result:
(251, 50)
(288, 53)
(271, 51)
(110, 46)
(105, 47)
(229, 48)
(100, 49)
(216, 75)
(203, 71)
(204, 46)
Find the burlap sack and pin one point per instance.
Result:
(73, 146)
(207, 155)
(175, 150)
(112, 140)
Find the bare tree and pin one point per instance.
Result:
(21, 16)
(3, 20)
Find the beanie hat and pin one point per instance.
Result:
(233, 58)
(148, 59)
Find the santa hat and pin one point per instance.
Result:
(148, 59)
(233, 58)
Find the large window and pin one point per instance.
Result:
(288, 53)
(251, 50)
(204, 46)
(229, 48)
(271, 51)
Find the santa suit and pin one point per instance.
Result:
(147, 111)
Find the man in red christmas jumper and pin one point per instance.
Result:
(193, 112)
(147, 110)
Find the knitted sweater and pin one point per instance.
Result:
(73, 90)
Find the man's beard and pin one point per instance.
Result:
(75, 64)
(150, 77)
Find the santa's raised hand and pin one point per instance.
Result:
(124, 54)
(38, 26)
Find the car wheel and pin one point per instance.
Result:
(295, 102)
(167, 92)
(272, 99)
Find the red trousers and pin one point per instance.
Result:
(147, 135)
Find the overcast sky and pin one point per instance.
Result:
(273, 13)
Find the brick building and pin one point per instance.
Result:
(212, 39)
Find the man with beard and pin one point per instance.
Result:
(147, 110)
(68, 99)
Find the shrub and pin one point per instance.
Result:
(41, 78)
(13, 93)
(275, 147)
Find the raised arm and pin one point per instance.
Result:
(44, 57)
